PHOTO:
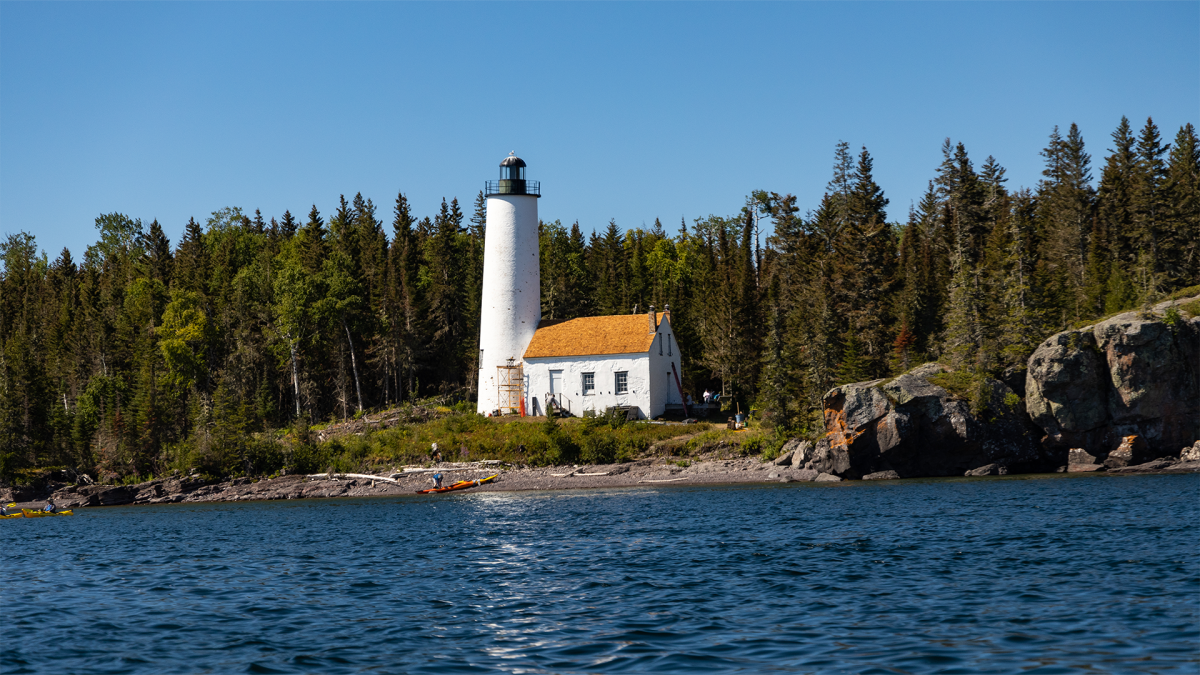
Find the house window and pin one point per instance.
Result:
(589, 384)
(622, 382)
(660, 341)
(669, 345)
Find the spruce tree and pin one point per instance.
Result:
(1149, 211)
(191, 260)
(1181, 233)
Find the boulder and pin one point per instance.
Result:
(827, 478)
(1190, 454)
(914, 427)
(805, 475)
(1131, 375)
(1084, 468)
(1152, 466)
(993, 469)
(1081, 456)
(1131, 451)
(882, 475)
(797, 451)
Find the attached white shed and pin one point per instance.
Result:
(594, 363)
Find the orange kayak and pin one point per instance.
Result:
(460, 485)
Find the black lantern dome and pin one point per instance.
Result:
(512, 179)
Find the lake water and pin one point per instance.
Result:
(1042, 575)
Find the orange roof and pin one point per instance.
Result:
(593, 335)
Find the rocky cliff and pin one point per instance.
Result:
(1134, 374)
(1116, 395)
(911, 426)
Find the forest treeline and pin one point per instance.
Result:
(144, 356)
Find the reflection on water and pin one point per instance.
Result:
(1037, 574)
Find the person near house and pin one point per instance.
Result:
(707, 397)
(551, 406)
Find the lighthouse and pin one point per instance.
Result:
(512, 294)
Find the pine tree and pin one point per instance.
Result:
(288, 225)
(1115, 246)
(1149, 210)
(1066, 199)
(863, 260)
(406, 307)
(158, 259)
(1181, 233)
(192, 270)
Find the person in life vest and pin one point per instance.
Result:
(437, 480)
(4, 509)
(49, 507)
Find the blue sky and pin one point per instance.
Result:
(624, 111)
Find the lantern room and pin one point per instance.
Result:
(512, 179)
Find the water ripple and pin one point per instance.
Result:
(1039, 575)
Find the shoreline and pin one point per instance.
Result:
(641, 473)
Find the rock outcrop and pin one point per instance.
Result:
(913, 427)
(1131, 375)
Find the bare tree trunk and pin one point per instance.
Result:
(295, 374)
(353, 364)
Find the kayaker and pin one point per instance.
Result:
(49, 507)
(4, 509)
(437, 480)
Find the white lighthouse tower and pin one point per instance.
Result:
(512, 294)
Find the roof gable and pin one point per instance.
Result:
(594, 336)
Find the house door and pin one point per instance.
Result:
(556, 382)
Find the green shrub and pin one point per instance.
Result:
(1172, 317)
(599, 449)
(1012, 400)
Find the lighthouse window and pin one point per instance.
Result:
(589, 384)
(622, 384)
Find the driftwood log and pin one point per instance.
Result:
(365, 476)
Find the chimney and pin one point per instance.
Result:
(653, 320)
(667, 311)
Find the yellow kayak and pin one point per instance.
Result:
(14, 515)
(30, 513)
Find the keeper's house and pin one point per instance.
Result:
(594, 363)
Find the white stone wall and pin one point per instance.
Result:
(605, 368)
(512, 303)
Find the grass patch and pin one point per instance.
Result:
(470, 437)
(1185, 292)
(959, 383)
(1192, 309)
